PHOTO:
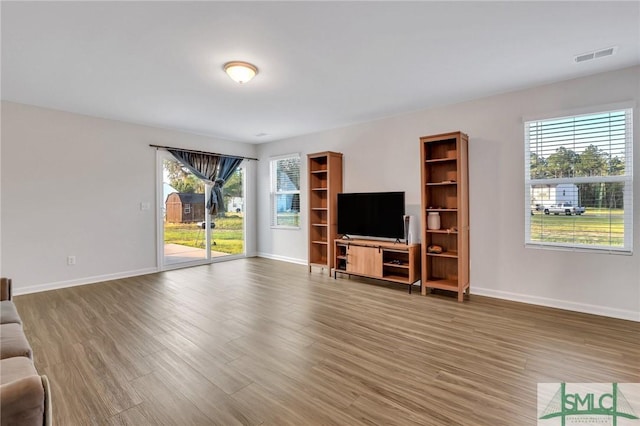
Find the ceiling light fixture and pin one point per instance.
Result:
(240, 72)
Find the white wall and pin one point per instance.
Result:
(384, 156)
(72, 185)
(1, 274)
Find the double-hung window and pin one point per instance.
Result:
(578, 181)
(285, 191)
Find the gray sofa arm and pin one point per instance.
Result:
(25, 396)
(23, 401)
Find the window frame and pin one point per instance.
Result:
(274, 193)
(626, 179)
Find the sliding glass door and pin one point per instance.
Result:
(189, 233)
(228, 230)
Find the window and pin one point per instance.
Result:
(285, 191)
(578, 181)
(187, 209)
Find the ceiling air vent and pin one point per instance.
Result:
(585, 57)
(604, 52)
(595, 55)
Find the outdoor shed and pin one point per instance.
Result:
(184, 207)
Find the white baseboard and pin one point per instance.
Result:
(517, 297)
(560, 304)
(282, 258)
(17, 291)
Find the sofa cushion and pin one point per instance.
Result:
(9, 313)
(13, 342)
(22, 394)
(12, 369)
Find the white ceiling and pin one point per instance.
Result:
(322, 64)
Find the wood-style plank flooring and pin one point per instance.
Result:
(262, 342)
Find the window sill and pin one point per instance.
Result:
(595, 250)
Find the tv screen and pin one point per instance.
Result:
(371, 214)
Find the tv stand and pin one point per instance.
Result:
(390, 261)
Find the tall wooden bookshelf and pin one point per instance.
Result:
(445, 191)
(325, 182)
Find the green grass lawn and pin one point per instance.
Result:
(596, 227)
(288, 219)
(227, 234)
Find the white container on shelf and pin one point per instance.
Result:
(433, 220)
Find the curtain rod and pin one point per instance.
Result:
(201, 152)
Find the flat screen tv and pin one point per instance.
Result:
(371, 214)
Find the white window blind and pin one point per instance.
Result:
(285, 191)
(579, 182)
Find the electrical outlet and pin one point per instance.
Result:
(145, 206)
(71, 260)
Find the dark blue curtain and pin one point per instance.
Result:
(213, 169)
(204, 166)
(228, 165)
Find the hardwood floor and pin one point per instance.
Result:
(257, 341)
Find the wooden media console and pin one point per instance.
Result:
(383, 260)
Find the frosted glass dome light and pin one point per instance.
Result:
(240, 72)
